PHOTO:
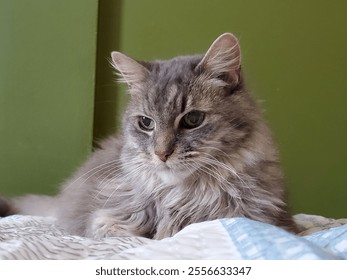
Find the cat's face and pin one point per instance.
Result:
(185, 113)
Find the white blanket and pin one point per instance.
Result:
(29, 237)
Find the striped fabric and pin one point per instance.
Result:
(29, 237)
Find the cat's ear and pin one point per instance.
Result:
(130, 71)
(223, 58)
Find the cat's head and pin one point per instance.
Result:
(188, 112)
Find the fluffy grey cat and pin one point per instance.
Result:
(194, 147)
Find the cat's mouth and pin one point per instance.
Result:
(172, 171)
(172, 175)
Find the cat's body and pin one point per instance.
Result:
(194, 147)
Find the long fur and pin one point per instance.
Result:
(226, 167)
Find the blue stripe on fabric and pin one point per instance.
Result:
(256, 240)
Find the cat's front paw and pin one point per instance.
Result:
(102, 226)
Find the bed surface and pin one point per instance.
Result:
(31, 237)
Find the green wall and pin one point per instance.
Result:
(47, 69)
(294, 57)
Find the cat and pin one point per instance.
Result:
(194, 147)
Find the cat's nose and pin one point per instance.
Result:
(164, 155)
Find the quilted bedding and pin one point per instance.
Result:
(31, 237)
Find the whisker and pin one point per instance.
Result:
(137, 169)
(213, 173)
(224, 183)
(250, 185)
(217, 149)
(93, 171)
(215, 161)
(114, 175)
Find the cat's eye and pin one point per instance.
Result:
(192, 119)
(146, 124)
